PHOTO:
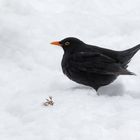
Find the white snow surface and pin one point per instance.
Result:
(30, 71)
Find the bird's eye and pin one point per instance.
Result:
(67, 43)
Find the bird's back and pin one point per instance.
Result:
(122, 57)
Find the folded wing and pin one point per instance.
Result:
(91, 62)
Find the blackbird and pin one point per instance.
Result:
(91, 65)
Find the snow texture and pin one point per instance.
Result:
(30, 71)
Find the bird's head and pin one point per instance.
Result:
(69, 44)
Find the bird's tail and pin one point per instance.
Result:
(126, 55)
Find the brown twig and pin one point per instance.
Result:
(49, 102)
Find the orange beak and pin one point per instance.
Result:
(56, 43)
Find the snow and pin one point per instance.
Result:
(30, 71)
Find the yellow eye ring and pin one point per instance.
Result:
(67, 43)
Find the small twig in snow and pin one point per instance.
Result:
(49, 102)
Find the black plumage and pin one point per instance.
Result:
(91, 65)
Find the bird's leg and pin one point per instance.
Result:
(98, 93)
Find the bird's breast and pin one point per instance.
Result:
(66, 65)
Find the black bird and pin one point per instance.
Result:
(91, 65)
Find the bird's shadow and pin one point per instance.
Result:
(116, 89)
(80, 87)
(135, 95)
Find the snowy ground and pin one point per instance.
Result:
(30, 71)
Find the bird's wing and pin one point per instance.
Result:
(97, 63)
